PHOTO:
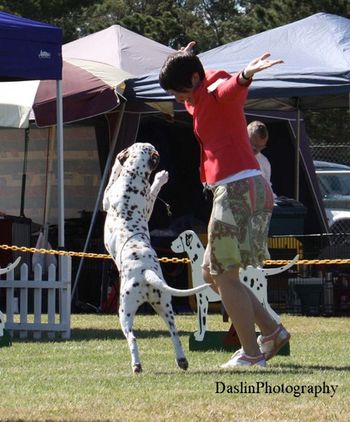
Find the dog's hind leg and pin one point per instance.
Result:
(165, 310)
(126, 316)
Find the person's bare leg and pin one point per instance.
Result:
(240, 309)
(209, 279)
(262, 318)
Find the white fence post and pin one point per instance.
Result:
(38, 272)
(56, 286)
(23, 300)
(9, 299)
(65, 293)
(51, 300)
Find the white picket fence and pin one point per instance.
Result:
(18, 292)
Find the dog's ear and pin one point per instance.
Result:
(189, 238)
(123, 156)
(154, 160)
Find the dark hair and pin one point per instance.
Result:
(177, 70)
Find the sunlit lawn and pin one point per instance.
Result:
(89, 377)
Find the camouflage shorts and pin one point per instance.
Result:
(239, 224)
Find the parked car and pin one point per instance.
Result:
(334, 183)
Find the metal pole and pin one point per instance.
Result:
(60, 168)
(24, 172)
(50, 154)
(100, 192)
(297, 154)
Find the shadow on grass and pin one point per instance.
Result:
(91, 334)
(270, 370)
(316, 368)
(83, 334)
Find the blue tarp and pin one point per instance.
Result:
(316, 68)
(29, 50)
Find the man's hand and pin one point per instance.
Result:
(188, 47)
(259, 64)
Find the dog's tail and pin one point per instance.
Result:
(160, 284)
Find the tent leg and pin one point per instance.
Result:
(297, 156)
(24, 173)
(60, 170)
(100, 192)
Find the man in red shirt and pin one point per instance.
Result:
(243, 201)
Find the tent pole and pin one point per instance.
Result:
(49, 159)
(100, 191)
(60, 170)
(24, 173)
(297, 154)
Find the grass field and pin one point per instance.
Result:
(89, 378)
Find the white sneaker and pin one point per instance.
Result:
(242, 359)
(270, 345)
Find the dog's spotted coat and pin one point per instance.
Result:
(129, 200)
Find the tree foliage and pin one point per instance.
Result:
(173, 22)
(62, 13)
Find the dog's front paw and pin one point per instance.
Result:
(161, 178)
(182, 363)
(137, 368)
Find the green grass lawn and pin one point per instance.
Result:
(89, 377)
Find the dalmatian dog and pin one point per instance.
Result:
(129, 199)
(254, 278)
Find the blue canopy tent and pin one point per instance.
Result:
(31, 50)
(315, 74)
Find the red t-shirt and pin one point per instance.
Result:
(220, 127)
